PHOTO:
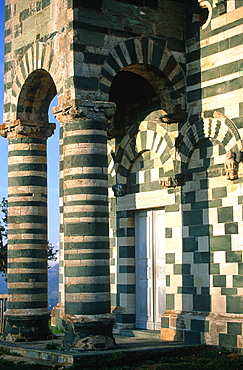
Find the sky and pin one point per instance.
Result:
(52, 153)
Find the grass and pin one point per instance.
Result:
(187, 358)
(56, 329)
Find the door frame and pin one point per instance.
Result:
(154, 295)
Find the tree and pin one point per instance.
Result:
(52, 254)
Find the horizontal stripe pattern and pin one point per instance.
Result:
(27, 227)
(215, 67)
(85, 218)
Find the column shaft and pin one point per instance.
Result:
(27, 315)
(86, 256)
(87, 320)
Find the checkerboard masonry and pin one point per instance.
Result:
(150, 101)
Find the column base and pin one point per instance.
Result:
(185, 326)
(89, 332)
(26, 328)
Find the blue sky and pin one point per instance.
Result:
(53, 153)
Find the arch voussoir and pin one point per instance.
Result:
(144, 51)
(217, 127)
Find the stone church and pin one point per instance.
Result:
(150, 105)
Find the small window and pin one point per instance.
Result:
(142, 3)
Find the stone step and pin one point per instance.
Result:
(141, 333)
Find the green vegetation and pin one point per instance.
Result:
(56, 329)
(190, 358)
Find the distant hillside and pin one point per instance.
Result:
(53, 275)
(52, 285)
(3, 285)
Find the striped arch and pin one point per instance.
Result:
(146, 139)
(38, 56)
(217, 127)
(144, 51)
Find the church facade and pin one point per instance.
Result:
(150, 106)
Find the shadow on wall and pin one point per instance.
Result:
(190, 325)
(197, 228)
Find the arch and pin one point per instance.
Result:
(35, 96)
(217, 127)
(38, 57)
(151, 136)
(145, 51)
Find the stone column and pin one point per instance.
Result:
(27, 314)
(88, 322)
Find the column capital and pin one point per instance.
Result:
(20, 129)
(85, 110)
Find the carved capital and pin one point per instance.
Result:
(3, 131)
(167, 182)
(86, 110)
(171, 182)
(18, 129)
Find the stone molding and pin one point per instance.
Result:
(86, 110)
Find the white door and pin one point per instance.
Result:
(150, 268)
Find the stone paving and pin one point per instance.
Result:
(36, 352)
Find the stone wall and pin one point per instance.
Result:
(212, 241)
(173, 71)
(203, 216)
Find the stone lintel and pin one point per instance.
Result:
(27, 128)
(85, 110)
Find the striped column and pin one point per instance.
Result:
(85, 219)
(27, 315)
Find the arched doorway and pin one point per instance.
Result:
(140, 94)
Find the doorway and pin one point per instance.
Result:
(150, 268)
